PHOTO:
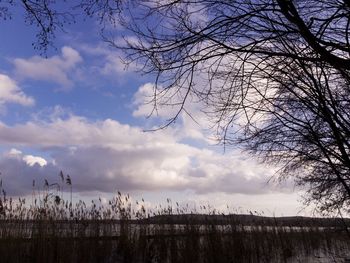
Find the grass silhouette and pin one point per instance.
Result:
(52, 229)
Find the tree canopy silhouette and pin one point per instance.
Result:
(273, 76)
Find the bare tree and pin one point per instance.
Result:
(273, 75)
(50, 16)
(46, 15)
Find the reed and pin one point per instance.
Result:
(51, 229)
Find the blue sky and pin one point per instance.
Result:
(81, 111)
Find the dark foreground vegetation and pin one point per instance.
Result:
(50, 229)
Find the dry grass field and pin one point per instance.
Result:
(51, 229)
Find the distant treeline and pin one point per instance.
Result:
(250, 219)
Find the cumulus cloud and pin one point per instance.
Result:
(143, 102)
(30, 160)
(113, 65)
(107, 155)
(77, 130)
(192, 122)
(11, 93)
(56, 69)
(110, 60)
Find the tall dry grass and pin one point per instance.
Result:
(49, 228)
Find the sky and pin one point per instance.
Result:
(82, 111)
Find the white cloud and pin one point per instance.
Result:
(14, 152)
(32, 160)
(11, 93)
(107, 155)
(77, 130)
(28, 159)
(113, 65)
(194, 126)
(110, 60)
(56, 69)
(143, 102)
